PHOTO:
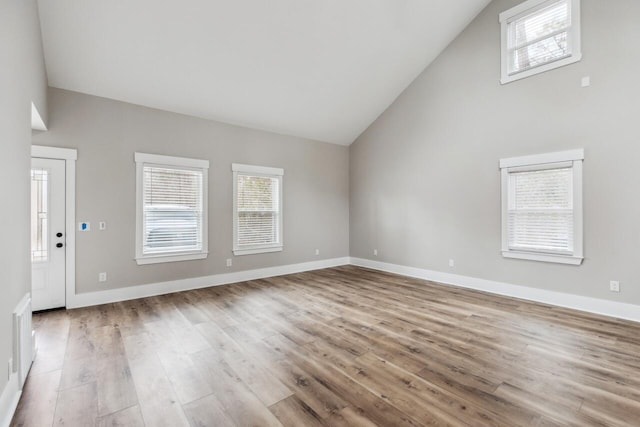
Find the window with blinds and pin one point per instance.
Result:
(542, 207)
(171, 208)
(539, 35)
(257, 209)
(541, 211)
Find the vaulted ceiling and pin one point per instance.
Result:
(319, 69)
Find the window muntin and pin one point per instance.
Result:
(539, 35)
(542, 207)
(257, 209)
(172, 208)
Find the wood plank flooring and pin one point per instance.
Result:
(343, 346)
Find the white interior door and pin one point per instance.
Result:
(48, 234)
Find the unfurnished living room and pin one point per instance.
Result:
(320, 213)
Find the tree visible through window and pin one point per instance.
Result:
(257, 209)
(539, 35)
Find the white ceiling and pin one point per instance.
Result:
(319, 69)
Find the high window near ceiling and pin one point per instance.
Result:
(538, 36)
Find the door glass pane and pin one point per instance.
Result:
(39, 215)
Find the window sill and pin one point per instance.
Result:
(157, 259)
(558, 259)
(254, 251)
(508, 78)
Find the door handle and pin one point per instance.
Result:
(59, 245)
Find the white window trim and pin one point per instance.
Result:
(143, 159)
(540, 162)
(574, 39)
(269, 172)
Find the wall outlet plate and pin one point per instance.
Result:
(452, 263)
(317, 251)
(102, 277)
(585, 81)
(102, 225)
(229, 262)
(375, 252)
(614, 286)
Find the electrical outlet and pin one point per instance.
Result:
(375, 252)
(102, 277)
(586, 81)
(229, 262)
(102, 225)
(451, 263)
(317, 251)
(614, 286)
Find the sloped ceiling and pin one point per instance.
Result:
(319, 69)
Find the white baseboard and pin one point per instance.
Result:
(591, 305)
(582, 303)
(9, 401)
(153, 289)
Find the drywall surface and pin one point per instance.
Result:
(22, 81)
(107, 133)
(424, 178)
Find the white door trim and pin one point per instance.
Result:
(69, 155)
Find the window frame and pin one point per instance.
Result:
(530, 6)
(261, 171)
(144, 159)
(573, 158)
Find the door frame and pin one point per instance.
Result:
(69, 155)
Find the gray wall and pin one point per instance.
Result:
(424, 177)
(22, 80)
(107, 133)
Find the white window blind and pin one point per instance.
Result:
(539, 35)
(258, 209)
(542, 207)
(172, 208)
(541, 211)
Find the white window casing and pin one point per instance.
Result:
(171, 208)
(257, 209)
(542, 217)
(538, 36)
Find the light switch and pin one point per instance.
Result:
(102, 225)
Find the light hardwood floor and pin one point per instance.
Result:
(337, 347)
